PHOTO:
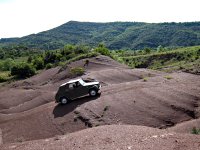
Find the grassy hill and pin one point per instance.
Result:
(186, 59)
(116, 35)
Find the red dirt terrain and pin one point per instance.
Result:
(114, 137)
(137, 97)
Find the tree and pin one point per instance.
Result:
(29, 60)
(8, 64)
(38, 63)
(23, 70)
(2, 54)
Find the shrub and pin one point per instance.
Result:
(102, 50)
(195, 130)
(3, 78)
(39, 63)
(7, 64)
(77, 71)
(145, 79)
(23, 70)
(49, 66)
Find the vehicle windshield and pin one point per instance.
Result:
(82, 82)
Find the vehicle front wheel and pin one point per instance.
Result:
(93, 92)
(64, 100)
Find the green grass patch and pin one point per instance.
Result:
(168, 77)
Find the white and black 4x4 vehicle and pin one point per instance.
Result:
(75, 89)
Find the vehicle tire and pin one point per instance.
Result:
(64, 100)
(93, 92)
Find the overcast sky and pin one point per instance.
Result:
(23, 17)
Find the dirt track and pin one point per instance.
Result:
(28, 111)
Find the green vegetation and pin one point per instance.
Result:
(103, 50)
(77, 71)
(4, 76)
(168, 77)
(186, 59)
(195, 130)
(27, 64)
(23, 70)
(145, 79)
(116, 35)
(49, 66)
(16, 63)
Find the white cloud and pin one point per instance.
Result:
(23, 17)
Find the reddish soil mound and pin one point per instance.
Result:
(114, 137)
(158, 102)
(129, 96)
(186, 127)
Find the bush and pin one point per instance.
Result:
(49, 66)
(3, 78)
(23, 70)
(195, 130)
(7, 64)
(77, 71)
(39, 63)
(102, 50)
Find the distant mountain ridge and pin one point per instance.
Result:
(115, 35)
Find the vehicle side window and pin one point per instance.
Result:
(71, 86)
(78, 84)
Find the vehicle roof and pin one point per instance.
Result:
(71, 81)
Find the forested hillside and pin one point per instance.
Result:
(116, 35)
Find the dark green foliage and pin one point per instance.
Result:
(23, 70)
(116, 35)
(102, 50)
(39, 63)
(195, 130)
(29, 60)
(52, 57)
(147, 50)
(7, 64)
(16, 51)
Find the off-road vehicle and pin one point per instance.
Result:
(75, 89)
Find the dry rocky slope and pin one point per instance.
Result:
(139, 97)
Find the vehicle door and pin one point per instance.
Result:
(80, 90)
(71, 91)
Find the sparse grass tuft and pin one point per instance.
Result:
(145, 79)
(168, 77)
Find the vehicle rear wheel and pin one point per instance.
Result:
(93, 92)
(64, 100)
